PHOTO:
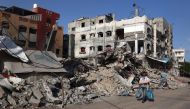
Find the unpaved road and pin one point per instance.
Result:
(164, 99)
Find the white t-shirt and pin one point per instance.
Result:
(144, 80)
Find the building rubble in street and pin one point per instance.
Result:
(106, 58)
(116, 73)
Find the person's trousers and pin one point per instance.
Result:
(144, 93)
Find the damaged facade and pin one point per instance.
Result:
(142, 35)
(32, 29)
(43, 80)
(92, 35)
(180, 55)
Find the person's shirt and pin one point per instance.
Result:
(144, 80)
(163, 75)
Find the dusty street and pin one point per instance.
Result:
(165, 99)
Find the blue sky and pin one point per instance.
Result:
(175, 11)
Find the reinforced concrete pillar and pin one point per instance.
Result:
(155, 40)
(136, 43)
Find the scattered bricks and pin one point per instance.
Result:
(2, 92)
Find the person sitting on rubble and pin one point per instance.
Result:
(144, 83)
(163, 79)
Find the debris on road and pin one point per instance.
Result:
(116, 73)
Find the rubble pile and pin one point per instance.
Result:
(172, 82)
(56, 91)
(117, 73)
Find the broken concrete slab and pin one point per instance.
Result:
(2, 92)
(11, 100)
(36, 92)
(33, 100)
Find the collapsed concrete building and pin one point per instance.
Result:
(143, 36)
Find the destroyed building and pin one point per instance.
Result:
(32, 29)
(92, 35)
(180, 55)
(142, 35)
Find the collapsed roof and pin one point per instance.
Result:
(7, 46)
(41, 61)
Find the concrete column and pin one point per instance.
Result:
(136, 43)
(145, 43)
(155, 40)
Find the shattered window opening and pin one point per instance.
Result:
(92, 35)
(22, 35)
(109, 33)
(73, 29)
(32, 31)
(108, 47)
(82, 50)
(120, 34)
(92, 48)
(83, 37)
(148, 30)
(101, 21)
(100, 48)
(48, 21)
(22, 28)
(83, 24)
(100, 34)
(92, 23)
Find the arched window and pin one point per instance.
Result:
(100, 34)
(108, 33)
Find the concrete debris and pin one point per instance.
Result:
(2, 92)
(36, 92)
(34, 101)
(117, 74)
(11, 100)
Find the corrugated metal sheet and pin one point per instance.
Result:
(8, 46)
(40, 62)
